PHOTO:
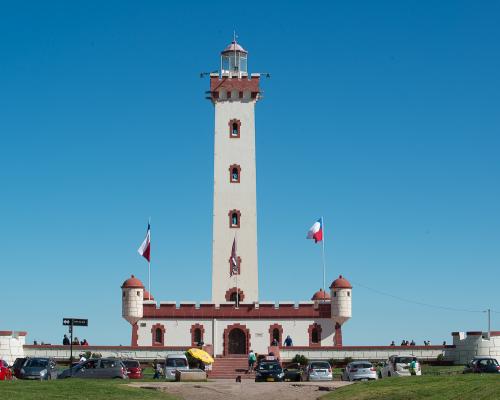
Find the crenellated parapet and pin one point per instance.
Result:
(201, 310)
(232, 86)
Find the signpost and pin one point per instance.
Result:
(71, 322)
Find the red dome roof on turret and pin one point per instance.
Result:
(132, 282)
(321, 295)
(341, 283)
(146, 295)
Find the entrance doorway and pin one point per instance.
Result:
(237, 342)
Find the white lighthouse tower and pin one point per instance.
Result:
(234, 94)
(132, 300)
(341, 305)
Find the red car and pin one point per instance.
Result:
(5, 373)
(134, 370)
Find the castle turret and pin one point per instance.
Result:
(132, 299)
(340, 291)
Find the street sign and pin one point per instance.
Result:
(75, 322)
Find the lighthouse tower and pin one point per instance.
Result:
(234, 94)
(341, 306)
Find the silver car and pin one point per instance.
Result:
(38, 368)
(173, 363)
(359, 371)
(98, 368)
(318, 371)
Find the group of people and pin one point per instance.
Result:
(67, 342)
(287, 342)
(412, 343)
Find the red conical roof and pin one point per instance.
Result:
(341, 283)
(146, 295)
(321, 295)
(132, 282)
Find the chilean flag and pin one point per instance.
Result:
(316, 231)
(145, 249)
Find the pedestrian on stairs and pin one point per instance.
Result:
(251, 360)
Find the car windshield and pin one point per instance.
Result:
(131, 364)
(36, 363)
(176, 362)
(362, 365)
(404, 360)
(320, 365)
(269, 366)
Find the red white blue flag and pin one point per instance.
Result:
(145, 249)
(316, 231)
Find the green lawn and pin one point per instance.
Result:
(76, 389)
(469, 386)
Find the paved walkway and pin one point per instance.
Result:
(229, 389)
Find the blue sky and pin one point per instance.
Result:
(381, 116)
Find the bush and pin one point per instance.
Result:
(440, 357)
(300, 359)
(347, 360)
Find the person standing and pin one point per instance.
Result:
(288, 341)
(251, 360)
(66, 341)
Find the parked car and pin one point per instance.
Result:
(134, 370)
(97, 368)
(269, 371)
(41, 368)
(318, 371)
(400, 366)
(482, 365)
(359, 371)
(173, 363)
(5, 372)
(293, 372)
(16, 367)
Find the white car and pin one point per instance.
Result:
(359, 371)
(173, 363)
(400, 366)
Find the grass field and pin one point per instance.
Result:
(76, 389)
(470, 386)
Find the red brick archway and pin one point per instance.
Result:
(227, 332)
(280, 330)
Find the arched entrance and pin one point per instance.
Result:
(236, 339)
(237, 342)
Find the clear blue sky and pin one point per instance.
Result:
(381, 116)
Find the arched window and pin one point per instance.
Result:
(234, 218)
(276, 334)
(233, 295)
(315, 335)
(234, 128)
(197, 335)
(158, 335)
(234, 173)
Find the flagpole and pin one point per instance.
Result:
(237, 269)
(323, 247)
(149, 261)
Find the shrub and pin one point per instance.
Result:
(300, 359)
(440, 357)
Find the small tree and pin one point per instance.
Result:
(300, 359)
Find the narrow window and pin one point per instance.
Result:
(315, 335)
(234, 219)
(197, 335)
(138, 293)
(158, 335)
(234, 173)
(276, 334)
(233, 297)
(334, 294)
(348, 294)
(234, 128)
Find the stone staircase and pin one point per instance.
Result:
(230, 367)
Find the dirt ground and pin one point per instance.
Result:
(247, 389)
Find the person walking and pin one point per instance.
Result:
(251, 360)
